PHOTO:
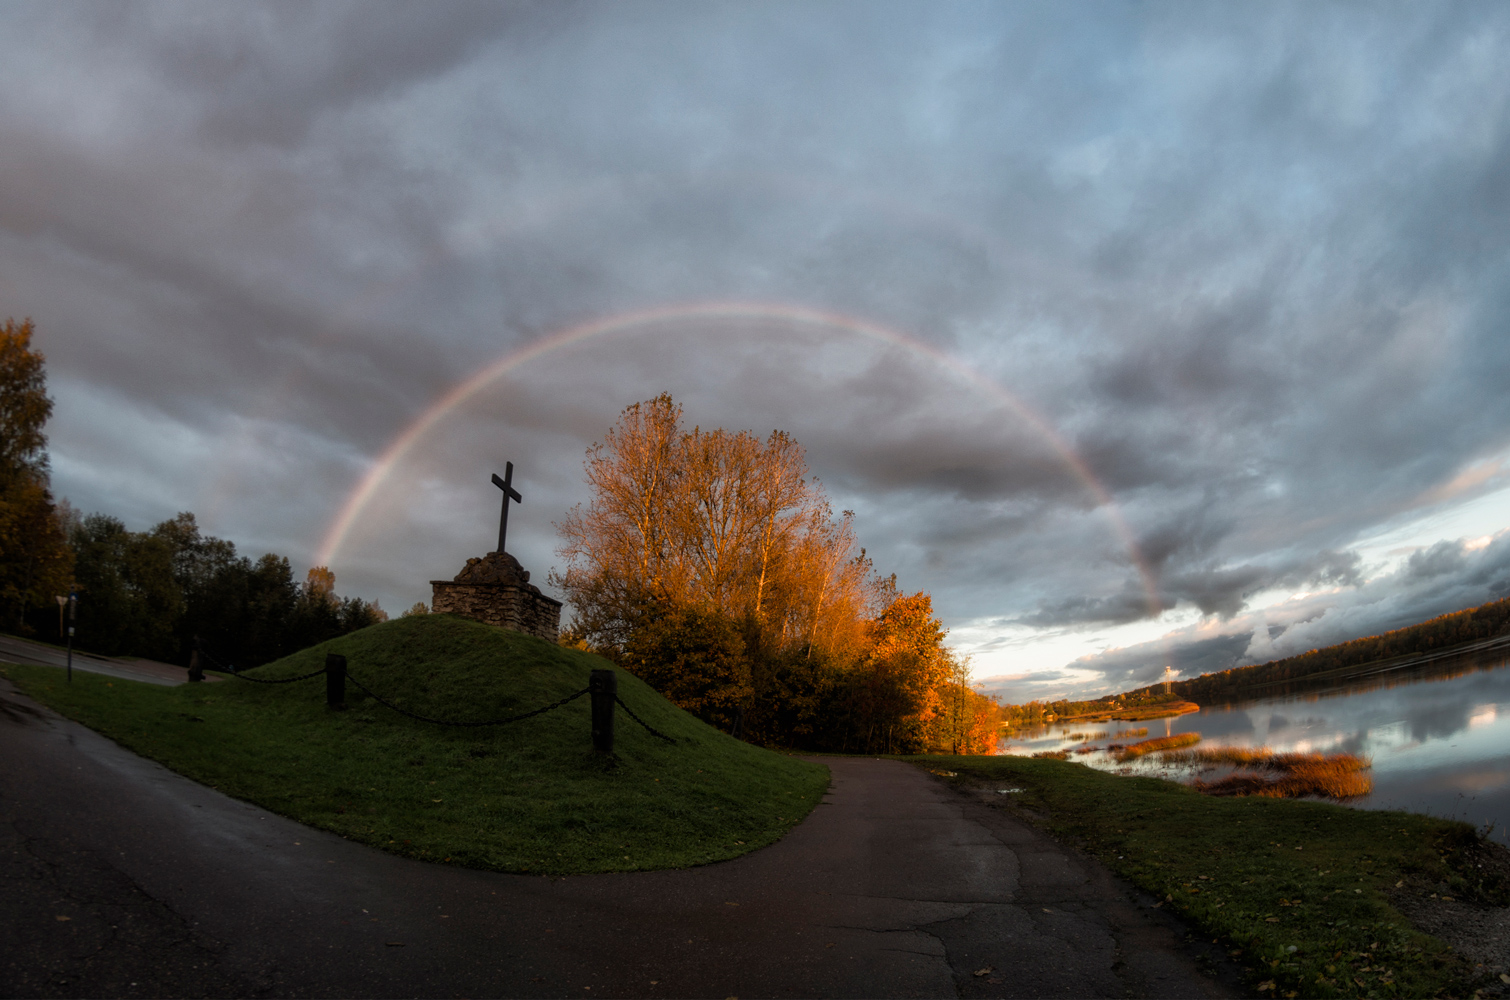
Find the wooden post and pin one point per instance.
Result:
(196, 668)
(73, 607)
(603, 687)
(335, 680)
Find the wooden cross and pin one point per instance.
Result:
(509, 493)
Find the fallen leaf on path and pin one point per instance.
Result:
(984, 972)
(65, 918)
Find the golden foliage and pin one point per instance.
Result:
(710, 562)
(36, 563)
(714, 519)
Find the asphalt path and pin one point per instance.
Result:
(121, 878)
(16, 650)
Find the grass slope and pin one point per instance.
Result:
(1301, 891)
(527, 797)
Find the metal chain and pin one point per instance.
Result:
(636, 718)
(263, 680)
(443, 722)
(221, 668)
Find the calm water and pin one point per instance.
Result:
(1439, 735)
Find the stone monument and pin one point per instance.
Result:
(495, 589)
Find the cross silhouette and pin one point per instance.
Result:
(509, 493)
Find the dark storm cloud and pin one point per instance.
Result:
(1248, 261)
(1446, 577)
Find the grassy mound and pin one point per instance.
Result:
(531, 796)
(1303, 894)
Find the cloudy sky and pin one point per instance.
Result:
(1136, 334)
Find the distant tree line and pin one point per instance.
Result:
(1039, 713)
(146, 593)
(710, 564)
(1443, 632)
(150, 593)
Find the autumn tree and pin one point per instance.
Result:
(704, 518)
(696, 657)
(896, 699)
(711, 564)
(35, 560)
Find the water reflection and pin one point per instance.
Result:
(1438, 734)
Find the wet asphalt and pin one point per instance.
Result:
(121, 878)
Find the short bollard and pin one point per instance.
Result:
(335, 680)
(603, 688)
(196, 668)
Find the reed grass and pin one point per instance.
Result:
(1052, 755)
(1135, 750)
(1338, 776)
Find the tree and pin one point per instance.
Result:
(130, 600)
(695, 656)
(35, 560)
(896, 699)
(710, 563)
(710, 518)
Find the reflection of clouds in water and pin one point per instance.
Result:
(1354, 743)
(1437, 719)
(1224, 724)
(1479, 781)
(1438, 745)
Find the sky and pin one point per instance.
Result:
(1136, 334)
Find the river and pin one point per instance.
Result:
(1438, 735)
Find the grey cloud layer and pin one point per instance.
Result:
(1250, 261)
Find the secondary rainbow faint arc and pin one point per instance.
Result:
(623, 322)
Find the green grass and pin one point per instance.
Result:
(532, 796)
(1263, 875)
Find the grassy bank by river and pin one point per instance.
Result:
(531, 796)
(1307, 896)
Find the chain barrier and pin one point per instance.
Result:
(221, 668)
(443, 722)
(652, 730)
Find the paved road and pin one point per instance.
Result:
(15, 650)
(121, 878)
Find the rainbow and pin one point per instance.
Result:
(798, 316)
